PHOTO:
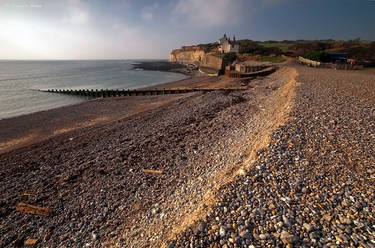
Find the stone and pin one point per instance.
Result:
(327, 217)
(245, 235)
(94, 236)
(154, 211)
(287, 238)
(202, 227)
(307, 227)
(286, 221)
(262, 236)
(222, 231)
(243, 213)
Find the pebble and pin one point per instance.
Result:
(222, 231)
(245, 235)
(287, 238)
(262, 236)
(299, 189)
(307, 227)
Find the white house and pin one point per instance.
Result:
(228, 46)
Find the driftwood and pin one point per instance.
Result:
(157, 172)
(31, 209)
(30, 242)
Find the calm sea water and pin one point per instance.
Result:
(19, 79)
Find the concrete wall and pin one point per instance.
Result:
(213, 61)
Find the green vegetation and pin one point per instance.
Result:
(313, 49)
(271, 59)
(209, 46)
(316, 49)
(229, 57)
(317, 56)
(280, 45)
(254, 48)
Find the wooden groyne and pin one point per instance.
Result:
(123, 92)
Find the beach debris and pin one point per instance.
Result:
(30, 242)
(31, 209)
(155, 172)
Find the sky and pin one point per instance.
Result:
(140, 29)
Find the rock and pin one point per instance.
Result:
(245, 235)
(202, 227)
(222, 231)
(262, 236)
(305, 190)
(154, 211)
(307, 227)
(327, 217)
(345, 220)
(243, 213)
(225, 210)
(286, 221)
(287, 238)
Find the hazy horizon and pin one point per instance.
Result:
(106, 30)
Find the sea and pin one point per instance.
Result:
(21, 80)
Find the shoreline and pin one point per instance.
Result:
(165, 76)
(23, 130)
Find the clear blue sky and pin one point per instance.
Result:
(105, 29)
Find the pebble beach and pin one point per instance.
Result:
(288, 162)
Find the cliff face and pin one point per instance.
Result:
(195, 54)
(188, 54)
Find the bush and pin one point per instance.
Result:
(229, 57)
(317, 56)
(254, 48)
(209, 47)
(271, 59)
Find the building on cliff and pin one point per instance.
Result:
(228, 46)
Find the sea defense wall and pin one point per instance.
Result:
(213, 61)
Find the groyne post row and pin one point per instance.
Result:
(122, 92)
